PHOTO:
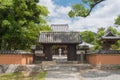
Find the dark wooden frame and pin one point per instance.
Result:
(71, 51)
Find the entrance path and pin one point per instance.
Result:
(62, 70)
(62, 73)
(91, 74)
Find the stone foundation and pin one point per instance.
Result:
(17, 68)
(108, 66)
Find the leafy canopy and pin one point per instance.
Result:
(84, 8)
(20, 23)
(94, 38)
(88, 36)
(117, 21)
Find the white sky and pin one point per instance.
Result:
(103, 15)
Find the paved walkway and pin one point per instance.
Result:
(62, 72)
(92, 74)
(95, 74)
(71, 72)
(62, 75)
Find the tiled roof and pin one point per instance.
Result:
(60, 27)
(60, 37)
(110, 36)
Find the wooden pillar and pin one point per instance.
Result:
(47, 52)
(71, 55)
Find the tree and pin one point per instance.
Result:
(114, 31)
(101, 32)
(20, 23)
(84, 8)
(97, 42)
(117, 21)
(94, 38)
(88, 36)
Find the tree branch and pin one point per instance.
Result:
(93, 7)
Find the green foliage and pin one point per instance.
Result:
(78, 10)
(100, 32)
(115, 46)
(114, 30)
(88, 36)
(97, 46)
(117, 21)
(94, 38)
(117, 67)
(84, 8)
(45, 28)
(118, 44)
(22, 76)
(41, 76)
(71, 14)
(11, 76)
(20, 23)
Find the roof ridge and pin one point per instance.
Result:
(109, 34)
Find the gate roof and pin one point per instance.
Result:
(60, 37)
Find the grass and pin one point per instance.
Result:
(11, 76)
(118, 67)
(21, 76)
(41, 76)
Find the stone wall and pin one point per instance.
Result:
(18, 68)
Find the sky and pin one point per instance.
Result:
(103, 15)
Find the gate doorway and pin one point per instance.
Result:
(59, 53)
(68, 50)
(59, 50)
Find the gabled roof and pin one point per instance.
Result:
(110, 36)
(60, 37)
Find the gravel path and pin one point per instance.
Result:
(92, 74)
(100, 74)
(62, 75)
(62, 72)
(65, 72)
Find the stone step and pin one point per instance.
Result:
(61, 68)
(68, 67)
(67, 62)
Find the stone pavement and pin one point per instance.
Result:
(64, 71)
(62, 75)
(95, 74)
(92, 74)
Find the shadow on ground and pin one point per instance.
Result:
(99, 73)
